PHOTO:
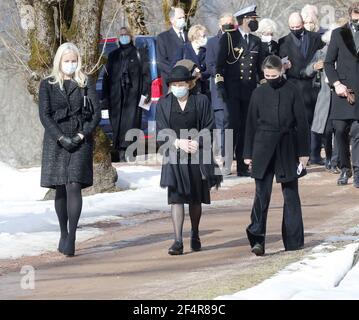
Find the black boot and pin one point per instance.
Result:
(176, 249)
(345, 175)
(62, 243)
(69, 249)
(356, 177)
(195, 242)
(258, 250)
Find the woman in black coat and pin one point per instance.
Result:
(67, 156)
(184, 125)
(126, 78)
(276, 143)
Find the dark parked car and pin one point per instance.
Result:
(148, 117)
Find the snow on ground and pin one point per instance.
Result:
(29, 226)
(327, 273)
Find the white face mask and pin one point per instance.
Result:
(69, 68)
(180, 23)
(266, 38)
(202, 42)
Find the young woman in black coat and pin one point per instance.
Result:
(276, 144)
(68, 140)
(184, 125)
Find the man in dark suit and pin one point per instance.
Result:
(219, 106)
(169, 43)
(300, 47)
(342, 69)
(238, 72)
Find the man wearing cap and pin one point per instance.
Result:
(238, 73)
(226, 22)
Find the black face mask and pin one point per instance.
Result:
(228, 27)
(298, 32)
(253, 25)
(275, 83)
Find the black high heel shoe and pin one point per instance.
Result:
(195, 242)
(176, 249)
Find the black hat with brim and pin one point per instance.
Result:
(180, 73)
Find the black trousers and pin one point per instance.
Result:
(292, 224)
(242, 131)
(331, 149)
(346, 130)
(235, 117)
(221, 119)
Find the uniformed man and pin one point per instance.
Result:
(238, 72)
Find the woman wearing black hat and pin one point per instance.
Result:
(184, 125)
(276, 144)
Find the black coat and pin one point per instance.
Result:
(187, 52)
(62, 114)
(211, 62)
(297, 75)
(276, 127)
(176, 176)
(342, 63)
(270, 48)
(167, 45)
(126, 78)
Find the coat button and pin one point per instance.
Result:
(242, 64)
(241, 78)
(242, 71)
(250, 78)
(252, 58)
(250, 71)
(251, 64)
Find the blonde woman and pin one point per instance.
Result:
(69, 124)
(195, 50)
(266, 31)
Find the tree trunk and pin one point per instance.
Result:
(189, 7)
(80, 22)
(135, 16)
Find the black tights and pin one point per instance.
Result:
(68, 206)
(195, 212)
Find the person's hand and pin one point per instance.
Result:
(193, 146)
(319, 65)
(248, 162)
(304, 161)
(77, 139)
(341, 90)
(148, 99)
(183, 144)
(222, 92)
(67, 144)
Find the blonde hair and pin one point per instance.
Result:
(267, 26)
(193, 33)
(57, 75)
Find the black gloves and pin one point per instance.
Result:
(77, 140)
(222, 93)
(67, 144)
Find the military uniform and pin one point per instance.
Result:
(238, 73)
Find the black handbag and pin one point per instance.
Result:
(301, 173)
(88, 108)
